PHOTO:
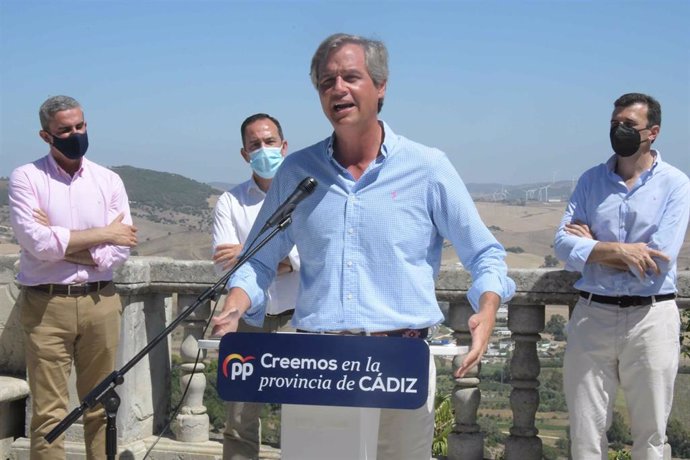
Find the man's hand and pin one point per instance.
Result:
(226, 321)
(227, 254)
(41, 217)
(639, 258)
(121, 234)
(284, 266)
(635, 257)
(579, 229)
(481, 326)
(236, 303)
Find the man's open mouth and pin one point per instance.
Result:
(343, 106)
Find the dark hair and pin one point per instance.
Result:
(256, 117)
(53, 105)
(653, 106)
(375, 57)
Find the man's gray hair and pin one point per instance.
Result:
(375, 57)
(55, 104)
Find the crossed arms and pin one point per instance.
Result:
(80, 241)
(635, 257)
(102, 247)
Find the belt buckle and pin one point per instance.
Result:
(75, 286)
(80, 289)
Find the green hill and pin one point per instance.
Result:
(155, 189)
(161, 190)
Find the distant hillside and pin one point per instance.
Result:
(162, 190)
(3, 191)
(540, 191)
(221, 186)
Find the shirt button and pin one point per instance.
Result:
(349, 297)
(349, 263)
(350, 230)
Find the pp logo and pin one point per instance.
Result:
(239, 366)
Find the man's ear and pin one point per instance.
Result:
(381, 90)
(284, 148)
(245, 155)
(45, 136)
(654, 132)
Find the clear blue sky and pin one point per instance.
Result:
(513, 91)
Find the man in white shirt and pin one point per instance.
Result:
(264, 148)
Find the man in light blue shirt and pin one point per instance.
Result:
(370, 236)
(623, 229)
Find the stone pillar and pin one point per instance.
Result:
(466, 441)
(192, 422)
(525, 322)
(145, 393)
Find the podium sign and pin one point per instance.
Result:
(324, 369)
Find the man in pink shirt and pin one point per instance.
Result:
(71, 218)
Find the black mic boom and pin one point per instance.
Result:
(303, 190)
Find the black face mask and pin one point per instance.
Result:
(74, 146)
(625, 140)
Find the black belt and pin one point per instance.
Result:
(412, 333)
(71, 289)
(281, 314)
(626, 300)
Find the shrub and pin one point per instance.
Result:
(549, 261)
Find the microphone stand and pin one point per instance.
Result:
(105, 393)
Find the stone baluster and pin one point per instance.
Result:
(525, 322)
(466, 441)
(192, 422)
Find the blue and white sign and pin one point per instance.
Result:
(324, 369)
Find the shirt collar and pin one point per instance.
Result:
(57, 169)
(389, 141)
(611, 166)
(254, 187)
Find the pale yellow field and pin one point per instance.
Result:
(529, 227)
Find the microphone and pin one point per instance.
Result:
(303, 190)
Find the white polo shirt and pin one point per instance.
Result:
(233, 218)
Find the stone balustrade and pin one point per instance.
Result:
(149, 286)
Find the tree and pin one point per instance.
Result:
(443, 424)
(619, 433)
(556, 327)
(549, 261)
(678, 438)
(684, 336)
(551, 397)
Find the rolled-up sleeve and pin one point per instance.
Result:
(573, 250)
(457, 219)
(670, 234)
(44, 243)
(258, 273)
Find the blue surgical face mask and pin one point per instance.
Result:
(265, 161)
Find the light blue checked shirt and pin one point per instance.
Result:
(655, 212)
(370, 249)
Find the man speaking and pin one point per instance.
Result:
(370, 236)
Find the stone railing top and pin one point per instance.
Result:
(164, 274)
(13, 388)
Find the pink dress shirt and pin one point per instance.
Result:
(93, 197)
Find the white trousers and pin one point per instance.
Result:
(637, 348)
(408, 434)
